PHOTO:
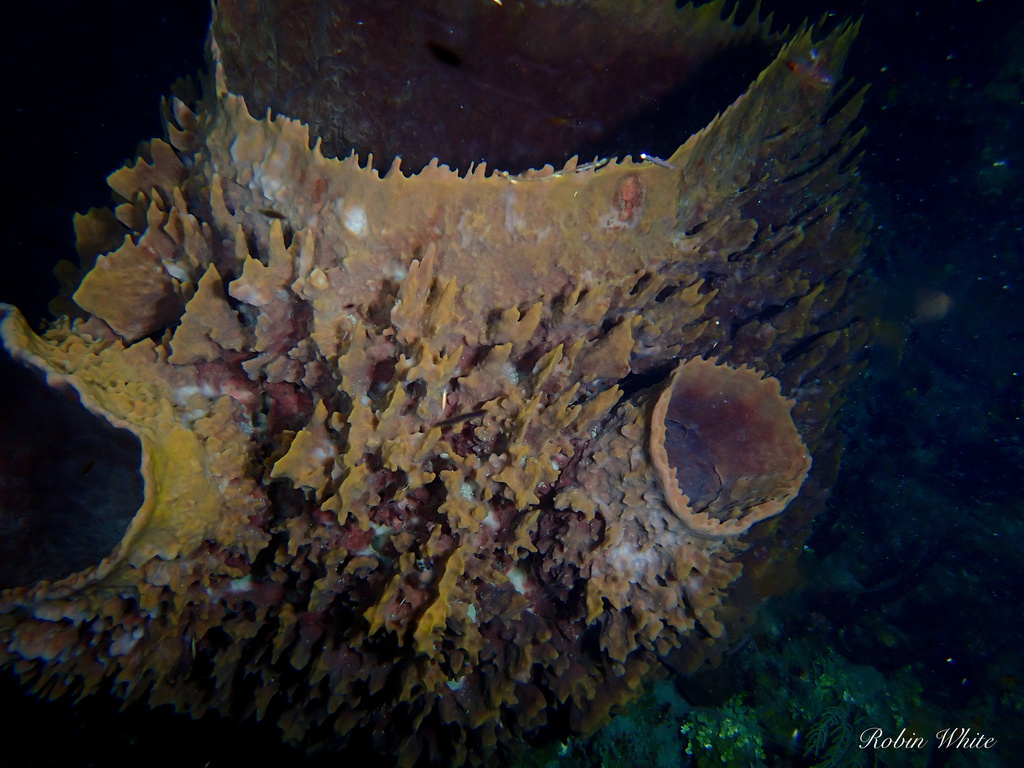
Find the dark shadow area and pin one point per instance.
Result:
(69, 481)
(83, 88)
(517, 87)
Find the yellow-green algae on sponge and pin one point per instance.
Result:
(441, 463)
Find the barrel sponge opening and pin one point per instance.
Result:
(724, 447)
(69, 481)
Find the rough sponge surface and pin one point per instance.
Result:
(449, 461)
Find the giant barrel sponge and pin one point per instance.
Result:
(421, 453)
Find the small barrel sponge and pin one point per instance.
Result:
(724, 447)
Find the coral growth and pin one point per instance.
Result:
(447, 461)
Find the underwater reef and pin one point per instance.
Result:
(441, 450)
